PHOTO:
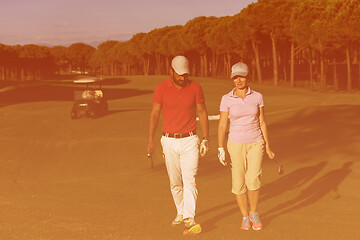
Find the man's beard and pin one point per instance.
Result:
(180, 83)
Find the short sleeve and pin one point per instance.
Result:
(157, 95)
(199, 95)
(261, 100)
(223, 105)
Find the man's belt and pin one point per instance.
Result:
(179, 135)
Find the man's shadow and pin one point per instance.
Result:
(322, 186)
(288, 182)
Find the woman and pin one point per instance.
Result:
(247, 141)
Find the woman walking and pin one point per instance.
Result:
(247, 141)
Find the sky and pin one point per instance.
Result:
(63, 22)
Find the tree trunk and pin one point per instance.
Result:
(148, 66)
(22, 76)
(228, 67)
(7, 74)
(292, 56)
(167, 65)
(205, 65)
(158, 64)
(359, 74)
(146, 63)
(322, 74)
(348, 87)
(285, 73)
(2, 73)
(336, 80)
(358, 61)
(311, 71)
(217, 64)
(275, 62)
(213, 65)
(117, 68)
(224, 66)
(257, 60)
(201, 65)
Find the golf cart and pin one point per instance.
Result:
(89, 99)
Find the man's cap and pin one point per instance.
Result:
(180, 65)
(239, 69)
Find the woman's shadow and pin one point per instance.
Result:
(328, 183)
(288, 182)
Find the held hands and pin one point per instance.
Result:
(221, 155)
(204, 147)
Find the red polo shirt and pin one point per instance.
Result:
(178, 105)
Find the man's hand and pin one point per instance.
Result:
(221, 155)
(204, 147)
(150, 148)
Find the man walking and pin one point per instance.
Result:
(179, 99)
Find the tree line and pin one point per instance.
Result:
(295, 42)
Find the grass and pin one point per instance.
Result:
(90, 179)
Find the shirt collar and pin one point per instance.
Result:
(231, 94)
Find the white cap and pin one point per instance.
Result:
(180, 65)
(239, 69)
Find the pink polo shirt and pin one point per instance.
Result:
(244, 116)
(178, 105)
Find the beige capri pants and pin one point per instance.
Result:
(246, 162)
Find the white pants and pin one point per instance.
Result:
(181, 159)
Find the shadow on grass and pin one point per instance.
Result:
(57, 91)
(110, 112)
(122, 110)
(315, 133)
(114, 81)
(328, 183)
(69, 79)
(290, 181)
(319, 188)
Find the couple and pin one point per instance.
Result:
(179, 99)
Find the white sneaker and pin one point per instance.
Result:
(178, 219)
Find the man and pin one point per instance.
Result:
(179, 99)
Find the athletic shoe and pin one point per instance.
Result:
(245, 223)
(255, 219)
(192, 228)
(178, 219)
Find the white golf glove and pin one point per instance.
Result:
(204, 147)
(221, 155)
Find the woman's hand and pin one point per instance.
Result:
(269, 152)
